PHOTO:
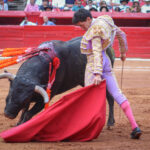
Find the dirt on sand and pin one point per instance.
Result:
(136, 87)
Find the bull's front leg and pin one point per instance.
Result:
(111, 119)
(38, 106)
(24, 110)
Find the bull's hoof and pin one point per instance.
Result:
(26, 117)
(110, 127)
(110, 123)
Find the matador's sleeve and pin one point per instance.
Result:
(97, 52)
(121, 36)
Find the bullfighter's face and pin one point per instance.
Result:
(85, 24)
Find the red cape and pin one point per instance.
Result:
(77, 116)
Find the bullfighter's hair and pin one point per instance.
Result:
(81, 15)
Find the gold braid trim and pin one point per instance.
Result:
(93, 31)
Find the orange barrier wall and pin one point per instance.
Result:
(28, 36)
(65, 18)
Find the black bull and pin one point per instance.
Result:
(35, 72)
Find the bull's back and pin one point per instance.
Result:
(34, 69)
(72, 66)
(70, 72)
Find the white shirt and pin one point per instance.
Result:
(123, 7)
(87, 7)
(113, 1)
(116, 1)
(145, 8)
(96, 2)
(28, 23)
(58, 3)
(5, 7)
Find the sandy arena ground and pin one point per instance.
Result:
(136, 86)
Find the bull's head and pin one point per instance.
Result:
(19, 94)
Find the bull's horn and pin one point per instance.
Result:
(7, 75)
(41, 91)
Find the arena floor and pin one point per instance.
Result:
(136, 86)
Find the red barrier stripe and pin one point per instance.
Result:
(32, 36)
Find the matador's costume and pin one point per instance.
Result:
(94, 43)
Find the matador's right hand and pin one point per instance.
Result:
(97, 79)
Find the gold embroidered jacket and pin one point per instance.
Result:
(98, 37)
